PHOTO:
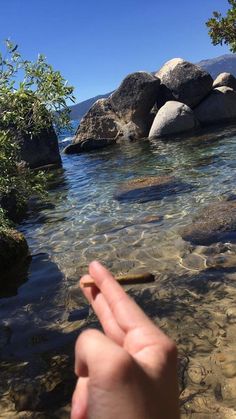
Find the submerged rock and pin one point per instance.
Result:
(148, 188)
(218, 107)
(88, 145)
(13, 249)
(184, 82)
(216, 222)
(225, 79)
(173, 118)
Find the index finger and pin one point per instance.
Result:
(126, 312)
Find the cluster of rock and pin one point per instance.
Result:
(179, 98)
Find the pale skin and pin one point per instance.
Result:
(129, 371)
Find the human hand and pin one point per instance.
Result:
(130, 371)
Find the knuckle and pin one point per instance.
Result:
(84, 337)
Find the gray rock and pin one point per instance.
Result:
(216, 222)
(99, 122)
(126, 114)
(173, 118)
(225, 79)
(184, 82)
(135, 98)
(88, 145)
(218, 107)
(41, 150)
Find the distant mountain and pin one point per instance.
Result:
(79, 110)
(224, 63)
(214, 66)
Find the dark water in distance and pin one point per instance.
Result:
(82, 221)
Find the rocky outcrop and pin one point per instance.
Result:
(148, 189)
(40, 150)
(216, 222)
(125, 114)
(178, 99)
(13, 249)
(173, 118)
(225, 79)
(100, 122)
(184, 82)
(134, 99)
(218, 107)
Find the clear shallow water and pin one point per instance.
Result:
(82, 220)
(87, 222)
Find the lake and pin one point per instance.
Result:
(81, 220)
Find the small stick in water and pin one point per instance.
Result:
(141, 278)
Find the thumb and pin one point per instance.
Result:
(101, 359)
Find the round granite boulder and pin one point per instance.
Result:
(225, 79)
(173, 118)
(214, 223)
(218, 107)
(135, 98)
(125, 114)
(184, 82)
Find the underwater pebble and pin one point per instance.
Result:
(229, 369)
(231, 314)
(196, 373)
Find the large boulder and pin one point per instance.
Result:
(184, 82)
(218, 107)
(216, 222)
(40, 150)
(173, 118)
(135, 98)
(125, 114)
(38, 147)
(225, 79)
(99, 122)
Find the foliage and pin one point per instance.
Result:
(32, 97)
(38, 100)
(222, 30)
(17, 182)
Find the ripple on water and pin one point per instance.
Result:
(194, 293)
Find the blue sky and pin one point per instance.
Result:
(96, 43)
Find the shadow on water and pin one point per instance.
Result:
(36, 348)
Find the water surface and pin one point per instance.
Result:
(82, 220)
